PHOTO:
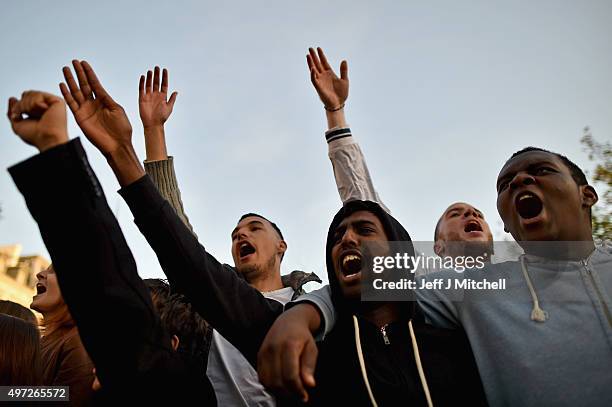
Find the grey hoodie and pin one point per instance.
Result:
(546, 340)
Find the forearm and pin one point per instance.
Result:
(318, 311)
(351, 172)
(211, 288)
(155, 143)
(164, 177)
(87, 246)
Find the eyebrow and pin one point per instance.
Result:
(248, 224)
(511, 175)
(358, 222)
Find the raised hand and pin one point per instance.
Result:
(102, 120)
(44, 125)
(332, 90)
(153, 102)
(154, 111)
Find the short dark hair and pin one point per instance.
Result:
(179, 318)
(246, 215)
(577, 173)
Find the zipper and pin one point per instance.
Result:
(603, 303)
(383, 331)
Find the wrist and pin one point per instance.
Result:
(125, 164)
(51, 141)
(335, 118)
(155, 143)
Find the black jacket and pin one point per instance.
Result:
(234, 308)
(97, 274)
(390, 362)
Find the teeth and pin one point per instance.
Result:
(350, 257)
(525, 197)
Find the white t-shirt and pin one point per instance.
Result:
(235, 381)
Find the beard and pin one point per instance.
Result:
(255, 271)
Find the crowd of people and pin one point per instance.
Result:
(247, 334)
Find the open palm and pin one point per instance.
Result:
(153, 102)
(332, 90)
(102, 120)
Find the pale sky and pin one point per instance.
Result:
(442, 93)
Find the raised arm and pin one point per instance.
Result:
(97, 274)
(351, 172)
(155, 108)
(237, 310)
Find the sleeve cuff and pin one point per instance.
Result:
(337, 133)
(323, 306)
(142, 196)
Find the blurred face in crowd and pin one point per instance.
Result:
(361, 227)
(539, 200)
(257, 248)
(461, 222)
(48, 296)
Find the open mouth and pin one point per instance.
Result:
(40, 289)
(351, 264)
(528, 205)
(472, 226)
(245, 249)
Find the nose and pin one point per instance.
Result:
(470, 213)
(521, 178)
(349, 239)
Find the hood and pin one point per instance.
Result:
(394, 230)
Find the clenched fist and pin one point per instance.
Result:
(39, 119)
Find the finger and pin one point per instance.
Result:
(12, 111)
(32, 104)
(344, 70)
(74, 89)
(324, 62)
(83, 84)
(314, 77)
(292, 380)
(269, 369)
(95, 84)
(72, 104)
(309, 62)
(156, 80)
(149, 84)
(315, 60)
(164, 84)
(25, 127)
(172, 99)
(141, 90)
(308, 363)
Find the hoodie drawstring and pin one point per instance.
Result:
(537, 313)
(364, 374)
(417, 358)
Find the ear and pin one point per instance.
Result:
(589, 196)
(439, 247)
(282, 247)
(174, 341)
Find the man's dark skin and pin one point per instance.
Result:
(538, 199)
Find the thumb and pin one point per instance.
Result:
(172, 99)
(344, 70)
(308, 363)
